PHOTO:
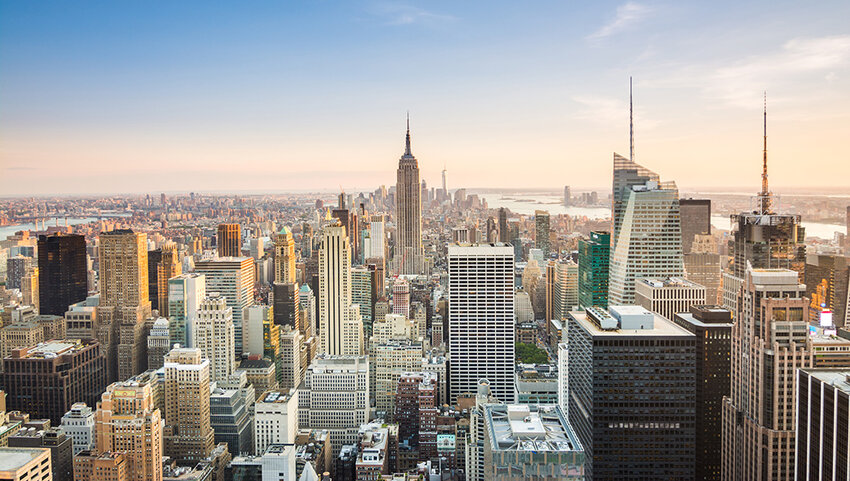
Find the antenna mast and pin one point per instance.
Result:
(631, 124)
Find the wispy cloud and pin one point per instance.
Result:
(401, 14)
(738, 82)
(628, 15)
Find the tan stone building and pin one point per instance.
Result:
(127, 421)
(124, 303)
(188, 433)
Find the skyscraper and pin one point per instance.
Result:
(229, 240)
(408, 251)
(541, 231)
(284, 257)
(62, 272)
(712, 327)
(46, 379)
(169, 266)
(504, 232)
(188, 434)
(649, 236)
(632, 400)
(159, 343)
(127, 421)
(669, 296)
(770, 341)
(363, 293)
(593, 265)
(335, 396)
(185, 293)
(564, 288)
(233, 278)
(16, 268)
(287, 304)
(696, 220)
(154, 258)
(835, 270)
(214, 336)
(334, 288)
(124, 302)
(822, 424)
(481, 319)
(703, 266)
(763, 238)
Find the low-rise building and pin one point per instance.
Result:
(536, 384)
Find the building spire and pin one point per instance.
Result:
(631, 124)
(407, 140)
(765, 197)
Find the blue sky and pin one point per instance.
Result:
(179, 96)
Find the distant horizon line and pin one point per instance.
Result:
(715, 190)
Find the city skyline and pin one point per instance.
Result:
(104, 100)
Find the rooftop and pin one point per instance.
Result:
(660, 327)
(13, 459)
(839, 378)
(535, 428)
(52, 349)
(275, 397)
(255, 364)
(669, 282)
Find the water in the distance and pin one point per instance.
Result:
(527, 203)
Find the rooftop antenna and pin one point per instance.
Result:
(407, 140)
(631, 124)
(765, 191)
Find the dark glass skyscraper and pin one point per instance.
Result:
(695, 217)
(712, 327)
(593, 257)
(632, 397)
(61, 272)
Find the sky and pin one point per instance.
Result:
(132, 96)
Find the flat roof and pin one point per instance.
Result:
(833, 377)
(661, 327)
(277, 396)
(668, 282)
(13, 459)
(689, 318)
(534, 428)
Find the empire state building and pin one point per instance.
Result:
(408, 251)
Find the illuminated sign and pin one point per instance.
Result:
(124, 393)
(826, 318)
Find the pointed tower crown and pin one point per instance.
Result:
(407, 158)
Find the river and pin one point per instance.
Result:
(527, 203)
(8, 230)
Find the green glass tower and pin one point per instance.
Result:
(593, 257)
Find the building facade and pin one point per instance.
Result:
(632, 398)
(62, 271)
(669, 296)
(233, 278)
(408, 196)
(481, 319)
